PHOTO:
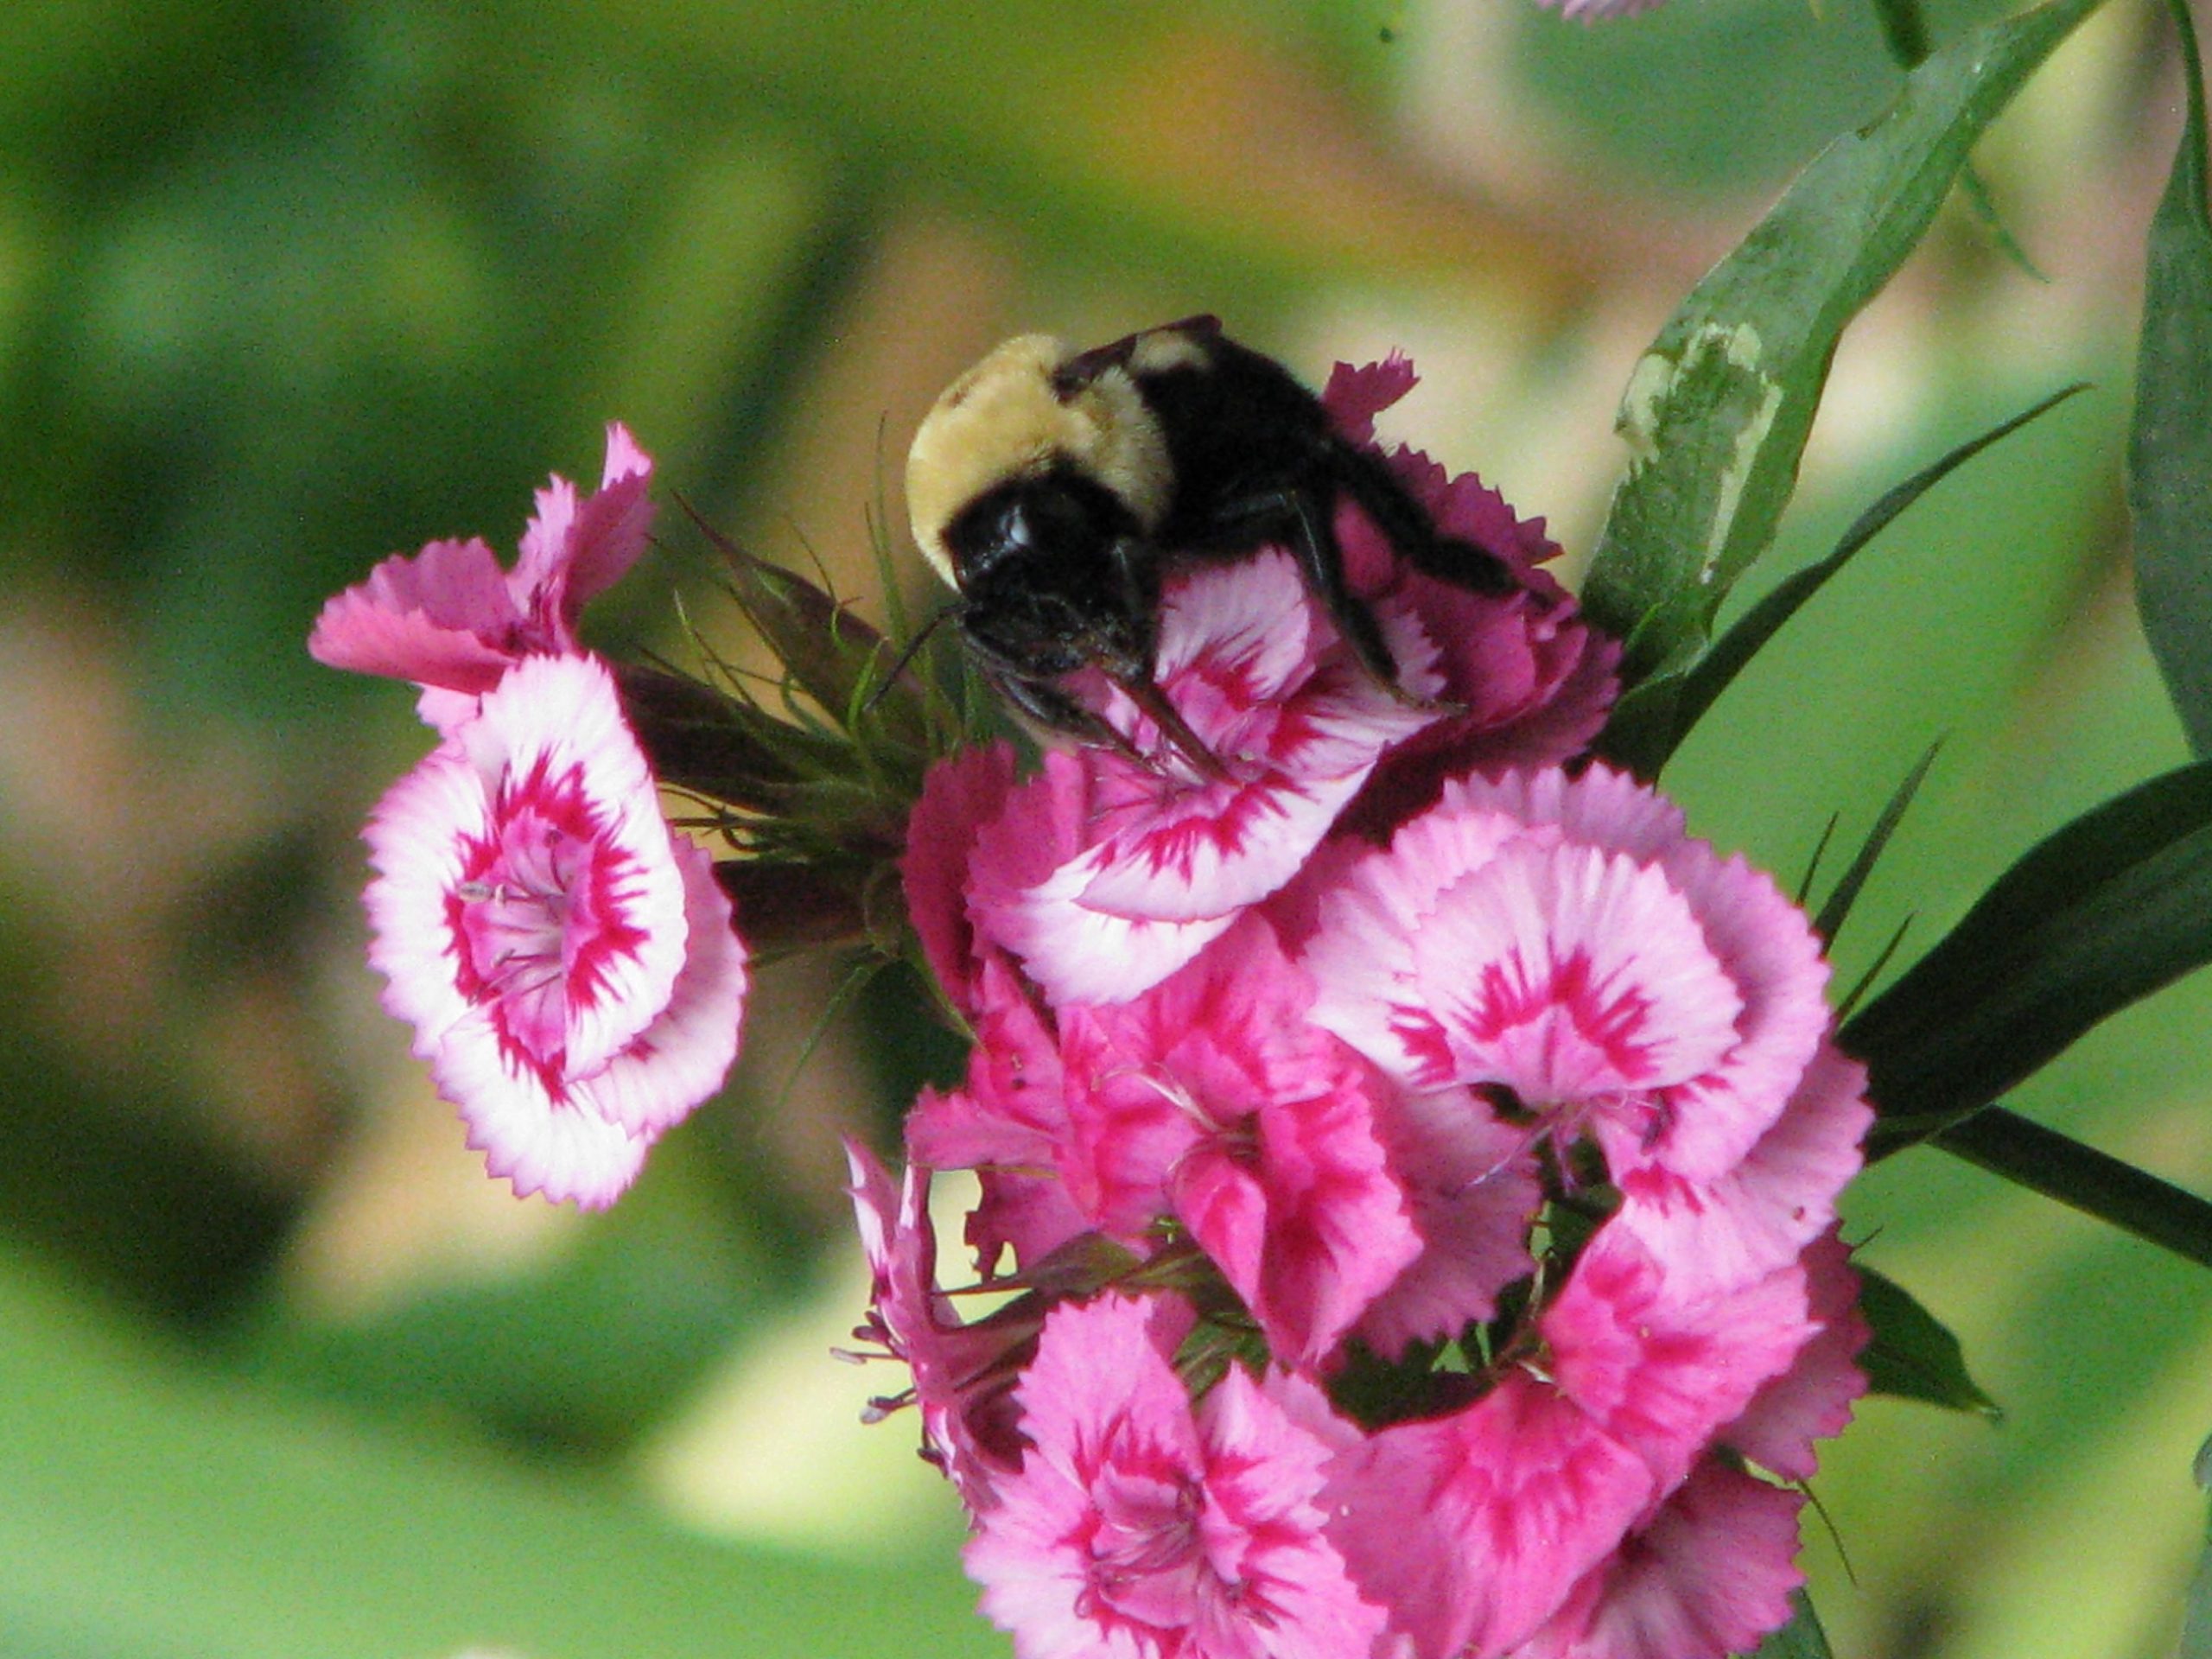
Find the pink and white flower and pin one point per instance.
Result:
(450, 620)
(568, 962)
(1103, 875)
(1141, 1529)
(1564, 943)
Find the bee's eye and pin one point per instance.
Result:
(1017, 528)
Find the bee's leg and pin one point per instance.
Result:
(1304, 523)
(1368, 479)
(1052, 711)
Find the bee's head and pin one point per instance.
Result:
(1053, 575)
(1010, 422)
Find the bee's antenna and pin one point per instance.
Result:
(951, 608)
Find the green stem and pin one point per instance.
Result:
(2096, 1184)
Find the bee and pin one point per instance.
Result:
(1055, 490)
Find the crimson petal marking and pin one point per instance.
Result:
(1570, 975)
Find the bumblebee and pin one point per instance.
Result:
(1056, 490)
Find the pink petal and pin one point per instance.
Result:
(1770, 950)
(611, 528)
(1812, 1400)
(1356, 395)
(441, 618)
(682, 1058)
(1659, 1373)
(1473, 1528)
(1763, 1212)
(1569, 975)
(1711, 1574)
(541, 1142)
(959, 796)
(1471, 1189)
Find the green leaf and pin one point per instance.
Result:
(2056, 1165)
(1844, 893)
(2169, 452)
(1717, 413)
(1800, 1638)
(1912, 1355)
(2104, 912)
(1702, 685)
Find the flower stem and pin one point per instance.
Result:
(2096, 1184)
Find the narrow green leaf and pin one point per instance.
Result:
(1702, 685)
(2058, 1166)
(1717, 413)
(2169, 452)
(1800, 1638)
(1913, 1355)
(1844, 893)
(1867, 980)
(2104, 912)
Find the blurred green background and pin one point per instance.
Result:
(286, 287)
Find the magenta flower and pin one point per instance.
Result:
(1211, 1102)
(567, 962)
(1403, 1090)
(1530, 680)
(450, 620)
(1141, 1529)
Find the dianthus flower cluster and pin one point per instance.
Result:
(566, 958)
(1408, 1161)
